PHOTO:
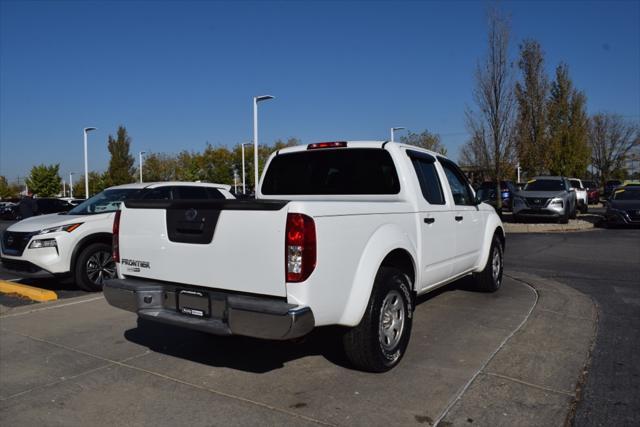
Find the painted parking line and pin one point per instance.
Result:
(31, 292)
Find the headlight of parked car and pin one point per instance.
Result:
(68, 228)
(557, 202)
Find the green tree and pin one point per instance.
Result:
(568, 127)
(97, 183)
(426, 139)
(531, 123)
(159, 167)
(45, 181)
(121, 168)
(5, 190)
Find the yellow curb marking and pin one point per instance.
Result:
(31, 292)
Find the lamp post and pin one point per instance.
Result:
(256, 99)
(71, 184)
(244, 190)
(393, 130)
(140, 157)
(86, 163)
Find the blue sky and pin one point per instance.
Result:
(179, 74)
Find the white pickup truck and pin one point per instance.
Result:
(341, 233)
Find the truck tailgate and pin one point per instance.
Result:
(223, 244)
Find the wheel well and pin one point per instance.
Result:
(402, 260)
(94, 238)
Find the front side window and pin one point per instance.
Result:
(339, 171)
(462, 194)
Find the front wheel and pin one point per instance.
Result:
(380, 340)
(490, 278)
(94, 266)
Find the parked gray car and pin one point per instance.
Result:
(549, 197)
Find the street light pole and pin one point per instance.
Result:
(71, 184)
(140, 156)
(256, 99)
(392, 132)
(86, 163)
(244, 190)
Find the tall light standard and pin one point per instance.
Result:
(86, 163)
(71, 184)
(393, 130)
(256, 99)
(140, 154)
(244, 189)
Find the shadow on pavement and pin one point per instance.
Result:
(239, 353)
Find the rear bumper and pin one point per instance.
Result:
(231, 314)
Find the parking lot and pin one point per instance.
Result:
(521, 356)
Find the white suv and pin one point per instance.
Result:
(78, 243)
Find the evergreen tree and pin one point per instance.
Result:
(531, 123)
(568, 127)
(121, 168)
(44, 181)
(5, 190)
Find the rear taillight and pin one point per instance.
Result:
(300, 247)
(116, 237)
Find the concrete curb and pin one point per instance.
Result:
(536, 377)
(26, 291)
(573, 225)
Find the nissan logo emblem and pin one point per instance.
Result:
(10, 240)
(537, 201)
(191, 215)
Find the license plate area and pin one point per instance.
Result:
(194, 303)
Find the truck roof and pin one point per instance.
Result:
(139, 185)
(359, 144)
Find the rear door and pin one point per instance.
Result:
(227, 244)
(468, 220)
(435, 225)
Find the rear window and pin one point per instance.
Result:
(332, 172)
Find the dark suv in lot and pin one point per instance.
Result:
(42, 207)
(623, 207)
(487, 193)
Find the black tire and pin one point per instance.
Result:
(93, 266)
(574, 212)
(490, 278)
(379, 342)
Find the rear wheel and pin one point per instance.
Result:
(94, 266)
(490, 279)
(380, 340)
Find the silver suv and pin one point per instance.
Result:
(546, 197)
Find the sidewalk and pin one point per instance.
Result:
(510, 358)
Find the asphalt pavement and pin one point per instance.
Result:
(604, 264)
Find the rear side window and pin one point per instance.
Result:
(332, 172)
(429, 180)
(190, 193)
(214, 193)
(162, 193)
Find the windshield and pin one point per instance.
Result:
(107, 201)
(627, 194)
(545, 185)
(575, 183)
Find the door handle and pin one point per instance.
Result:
(429, 220)
(459, 218)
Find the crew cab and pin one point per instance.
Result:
(341, 233)
(78, 243)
